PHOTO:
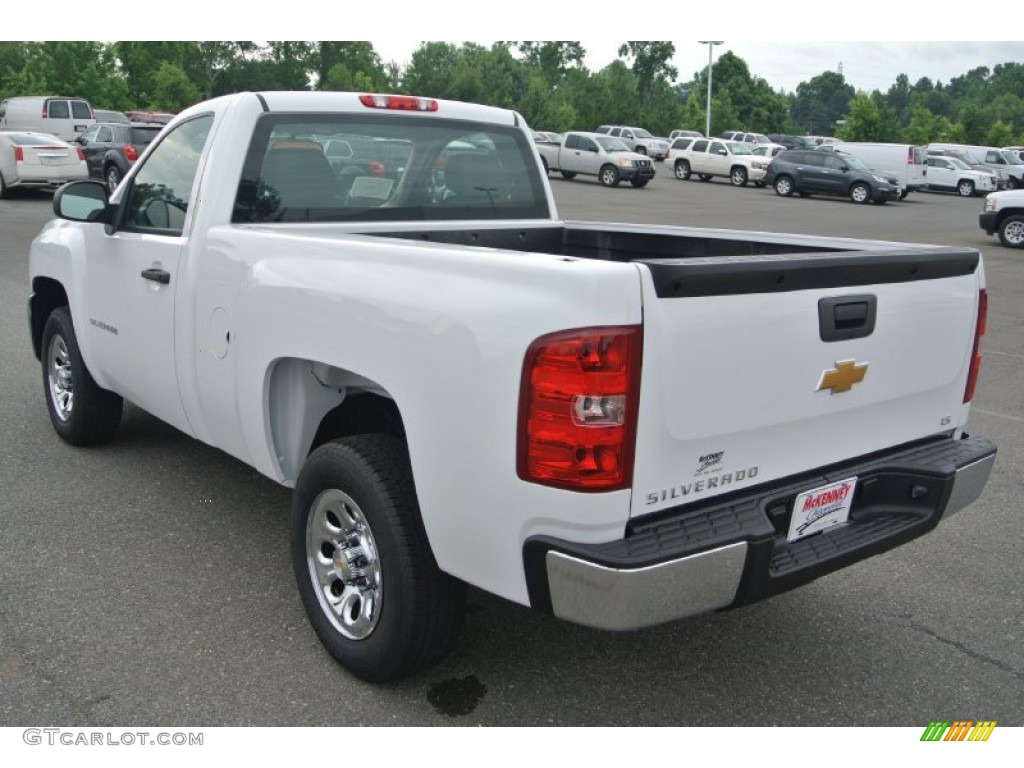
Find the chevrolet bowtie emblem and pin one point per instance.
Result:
(843, 376)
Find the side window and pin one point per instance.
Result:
(104, 134)
(716, 147)
(817, 159)
(700, 146)
(572, 141)
(587, 144)
(159, 195)
(615, 131)
(834, 163)
(80, 110)
(57, 110)
(90, 136)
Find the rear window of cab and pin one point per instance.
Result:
(351, 168)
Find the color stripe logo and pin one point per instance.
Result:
(960, 730)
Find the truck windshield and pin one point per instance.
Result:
(612, 144)
(394, 167)
(640, 133)
(1011, 158)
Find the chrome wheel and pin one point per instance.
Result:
(343, 564)
(859, 193)
(1011, 233)
(965, 188)
(113, 178)
(784, 186)
(58, 366)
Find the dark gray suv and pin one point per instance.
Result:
(813, 171)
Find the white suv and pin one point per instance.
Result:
(638, 140)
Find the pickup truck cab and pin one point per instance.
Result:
(708, 158)
(595, 154)
(619, 425)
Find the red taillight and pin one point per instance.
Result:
(578, 409)
(412, 103)
(131, 153)
(80, 153)
(19, 154)
(979, 331)
(44, 109)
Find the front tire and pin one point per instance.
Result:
(81, 411)
(738, 177)
(609, 176)
(1011, 232)
(113, 177)
(639, 183)
(365, 572)
(965, 188)
(704, 176)
(860, 193)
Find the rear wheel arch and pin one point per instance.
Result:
(309, 403)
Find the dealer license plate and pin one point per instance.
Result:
(822, 508)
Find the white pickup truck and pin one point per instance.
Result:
(619, 425)
(594, 154)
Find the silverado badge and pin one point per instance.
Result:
(843, 376)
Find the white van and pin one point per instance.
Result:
(999, 159)
(906, 162)
(65, 117)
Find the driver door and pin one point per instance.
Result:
(131, 276)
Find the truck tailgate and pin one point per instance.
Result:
(759, 368)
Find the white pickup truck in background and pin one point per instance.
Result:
(594, 154)
(619, 425)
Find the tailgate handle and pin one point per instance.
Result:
(847, 317)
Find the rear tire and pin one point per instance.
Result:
(682, 170)
(784, 186)
(364, 569)
(112, 177)
(568, 175)
(81, 411)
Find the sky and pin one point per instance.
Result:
(782, 44)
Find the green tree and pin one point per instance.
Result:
(172, 89)
(430, 70)
(863, 122)
(650, 63)
(358, 56)
(999, 135)
(821, 101)
(554, 58)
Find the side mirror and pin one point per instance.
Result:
(844, 168)
(722, 152)
(80, 140)
(83, 201)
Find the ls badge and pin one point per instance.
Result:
(843, 376)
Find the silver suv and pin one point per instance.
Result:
(637, 139)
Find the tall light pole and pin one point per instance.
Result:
(711, 47)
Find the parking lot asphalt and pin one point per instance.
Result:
(147, 581)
